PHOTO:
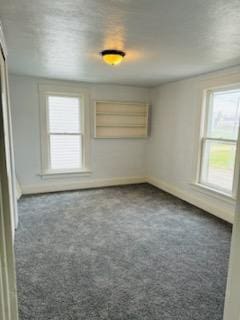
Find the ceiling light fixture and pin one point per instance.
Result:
(112, 56)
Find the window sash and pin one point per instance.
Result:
(81, 114)
(81, 143)
(209, 101)
(65, 134)
(223, 140)
(51, 133)
(205, 137)
(232, 142)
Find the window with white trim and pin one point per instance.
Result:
(219, 140)
(64, 136)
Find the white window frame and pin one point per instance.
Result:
(46, 90)
(206, 104)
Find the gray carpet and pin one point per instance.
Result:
(119, 253)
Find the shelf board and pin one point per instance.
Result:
(121, 126)
(136, 114)
(122, 137)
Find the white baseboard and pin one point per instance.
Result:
(18, 190)
(200, 203)
(196, 201)
(53, 187)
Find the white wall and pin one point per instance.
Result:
(173, 146)
(112, 161)
(167, 159)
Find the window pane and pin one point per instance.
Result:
(64, 114)
(65, 152)
(224, 114)
(218, 164)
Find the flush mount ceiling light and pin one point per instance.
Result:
(112, 56)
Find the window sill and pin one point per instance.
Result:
(221, 195)
(65, 174)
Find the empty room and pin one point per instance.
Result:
(119, 160)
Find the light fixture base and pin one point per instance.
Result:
(112, 56)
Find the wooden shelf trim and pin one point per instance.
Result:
(121, 125)
(116, 120)
(133, 114)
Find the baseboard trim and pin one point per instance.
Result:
(54, 187)
(18, 190)
(196, 201)
(216, 211)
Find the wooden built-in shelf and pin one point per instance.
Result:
(114, 119)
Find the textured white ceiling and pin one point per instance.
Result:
(164, 39)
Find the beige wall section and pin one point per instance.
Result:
(167, 159)
(112, 161)
(173, 146)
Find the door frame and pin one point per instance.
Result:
(232, 297)
(3, 48)
(8, 203)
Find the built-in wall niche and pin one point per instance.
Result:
(117, 120)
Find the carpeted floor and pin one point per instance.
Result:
(119, 253)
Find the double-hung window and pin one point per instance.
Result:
(64, 134)
(219, 140)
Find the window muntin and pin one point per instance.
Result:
(64, 132)
(219, 141)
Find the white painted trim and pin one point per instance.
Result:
(46, 89)
(217, 211)
(3, 42)
(211, 192)
(97, 183)
(206, 87)
(53, 187)
(18, 190)
(8, 292)
(232, 306)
